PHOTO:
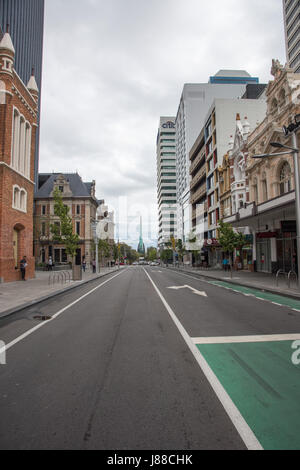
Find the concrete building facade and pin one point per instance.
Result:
(291, 14)
(166, 181)
(196, 100)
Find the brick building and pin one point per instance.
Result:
(18, 125)
(80, 198)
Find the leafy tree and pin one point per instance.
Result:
(103, 249)
(229, 239)
(63, 232)
(152, 254)
(166, 255)
(180, 249)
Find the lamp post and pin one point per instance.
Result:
(291, 130)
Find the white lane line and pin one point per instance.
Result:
(233, 289)
(37, 327)
(237, 419)
(246, 339)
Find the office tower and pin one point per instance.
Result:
(166, 181)
(291, 14)
(196, 99)
(25, 20)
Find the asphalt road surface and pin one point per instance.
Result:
(152, 359)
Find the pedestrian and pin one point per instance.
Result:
(83, 265)
(23, 266)
(94, 266)
(50, 264)
(225, 263)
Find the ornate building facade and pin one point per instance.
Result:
(80, 198)
(270, 213)
(18, 126)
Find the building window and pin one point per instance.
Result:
(43, 229)
(264, 186)
(78, 210)
(285, 185)
(78, 228)
(61, 189)
(255, 191)
(43, 210)
(21, 144)
(19, 199)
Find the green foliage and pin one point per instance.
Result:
(229, 240)
(151, 254)
(180, 248)
(63, 233)
(166, 255)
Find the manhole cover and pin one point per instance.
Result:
(42, 317)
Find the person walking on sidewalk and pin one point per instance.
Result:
(50, 264)
(94, 266)
(23, 266)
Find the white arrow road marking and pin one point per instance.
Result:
(195, 291)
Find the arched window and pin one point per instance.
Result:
(264, 186)
(21, 144)
(282, 97)
(285, 184)
(274, 106)
(255, 190)
(19, 199)
(16, 197)
(23, 200)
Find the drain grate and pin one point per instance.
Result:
(42, 317)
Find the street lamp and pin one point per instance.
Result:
(291, 130)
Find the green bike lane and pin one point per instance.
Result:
(258, 368)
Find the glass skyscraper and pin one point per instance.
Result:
(26, 27)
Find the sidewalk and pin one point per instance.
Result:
(15, 296)
(261, 281)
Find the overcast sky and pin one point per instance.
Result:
(113, 67)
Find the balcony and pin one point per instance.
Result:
(198, 177)
(198, 194)
(198, 160)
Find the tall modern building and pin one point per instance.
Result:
(166, 181)
(25, 20)
(291, 13)
(196, 99)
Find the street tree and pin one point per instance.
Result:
(63, 232)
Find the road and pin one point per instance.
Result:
(149, 358)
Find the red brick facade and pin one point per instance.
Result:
(18, 118)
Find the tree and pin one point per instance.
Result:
(229, 239)
(166, 255)
(151, 253)
(180, 249)
(103, 249)
(63, 232)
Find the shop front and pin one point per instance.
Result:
(287, 247)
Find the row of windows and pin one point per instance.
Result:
(44, 228)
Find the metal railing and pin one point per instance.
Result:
(59, 276)
(288, 276)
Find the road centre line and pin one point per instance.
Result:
(237, 419)
(37, 327)
(246, 339)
